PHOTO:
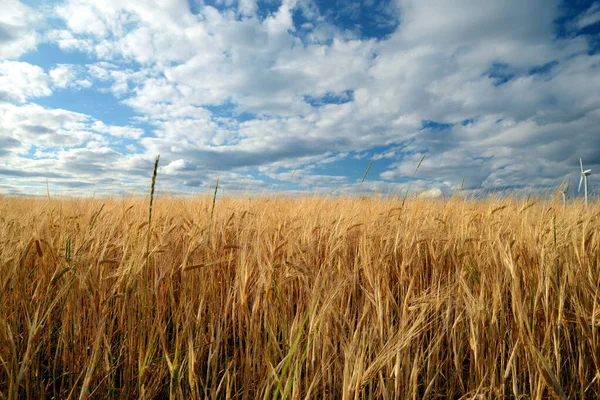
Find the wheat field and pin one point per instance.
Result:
(313, 297)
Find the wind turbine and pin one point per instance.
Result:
(564, 190)
(584, 178)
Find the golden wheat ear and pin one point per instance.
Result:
(298, 297)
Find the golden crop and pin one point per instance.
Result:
(279, 297)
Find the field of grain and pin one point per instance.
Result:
(279, 297)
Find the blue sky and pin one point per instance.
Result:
(298, 95)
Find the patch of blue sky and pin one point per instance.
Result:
(229, 110)
(37, 3)
(195, 6)
(30, 153)
(369, 19)
(434, 125)
(266, 8)
(395, 151)
(442, 126)
(354, 169)
(147, 127)
(49, 55)
(34, 153)
(543, 69)
(592, 29)
(89, 101)
(566, 27)
(486, 159)
(330, 98)
(126, 146)
(569, 11)
(378, 166)
(593, 33)
(500, 73)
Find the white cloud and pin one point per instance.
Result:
(73, 151)
(20, 81)
(62, 76)
(121, 80)
(247, 7)
(431, 193)
(464, 22)
(68, 76)
(191, 76)
(590, 17)
(83, 18)
(67, 41)
(33, 125)
(128, 132)
(175, 166)
(17, 29)
(281, 21)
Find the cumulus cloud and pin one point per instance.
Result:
(175, 167)
(67, 42)
(20, 81)
(72, 150)
(487, 89)
(17, 29)
(68, 147)
(465, 22)
(247, 7)
(117, 131)
(68, 76)
(33, 125)
(431, 193)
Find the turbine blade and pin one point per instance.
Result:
(581, 164)
(580, 182)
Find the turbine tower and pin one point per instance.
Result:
(584, 178)
(564, 191)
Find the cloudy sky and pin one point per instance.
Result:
(297, 95)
